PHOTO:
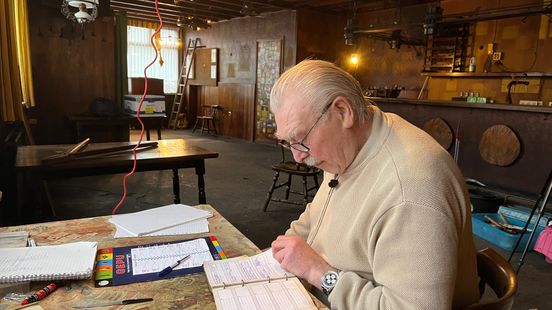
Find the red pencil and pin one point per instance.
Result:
(40, 294)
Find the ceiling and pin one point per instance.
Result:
(218, 10)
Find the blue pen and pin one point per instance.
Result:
(168, 270)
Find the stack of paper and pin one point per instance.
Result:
(168, 220)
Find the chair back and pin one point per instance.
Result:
(291, 162)
(495, 271)
(211, 110)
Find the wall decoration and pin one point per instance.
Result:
(269, 64)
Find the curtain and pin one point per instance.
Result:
(11, 107)
(24, 52)
(121, 69)
(140, 53)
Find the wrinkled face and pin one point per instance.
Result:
(294, 119)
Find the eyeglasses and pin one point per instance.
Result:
(299, 146)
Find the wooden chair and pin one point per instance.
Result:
(209, 119)
(495, 271)
(291, 168)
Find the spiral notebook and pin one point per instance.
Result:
(47, 263)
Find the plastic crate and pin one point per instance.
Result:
(516, 216)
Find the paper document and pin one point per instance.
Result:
(256, 282)
(193, 227)
(45, 263)
(156, 219)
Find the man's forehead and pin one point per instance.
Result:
(289, 116)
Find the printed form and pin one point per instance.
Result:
(155, 258)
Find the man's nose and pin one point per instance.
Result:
(299, 156)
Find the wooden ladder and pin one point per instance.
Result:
(185, 70)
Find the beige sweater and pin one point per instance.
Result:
(398, 225)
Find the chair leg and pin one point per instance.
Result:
(305, 191)
(271, 190)
(288, 186)
(316, 181)
(195, 125)
(215, 127)
(202, 125)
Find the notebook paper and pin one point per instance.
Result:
(152, 220)
(193, 227)
(46, 263)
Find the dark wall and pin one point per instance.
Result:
(237, 40)
(70, 69)
(526, 175)
(319, 35)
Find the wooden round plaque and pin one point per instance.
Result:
(499, 145)
(440, 130)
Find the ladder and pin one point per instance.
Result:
(177, 111)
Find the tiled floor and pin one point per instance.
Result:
(236, 185)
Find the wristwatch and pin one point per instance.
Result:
(328, 281)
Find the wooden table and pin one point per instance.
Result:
(113, 128)
(169, 154)
(186, 292)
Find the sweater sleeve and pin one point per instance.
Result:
(413, 250)
(301, 226)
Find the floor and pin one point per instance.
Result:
(236, 185)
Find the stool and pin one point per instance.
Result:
(292, 168)
(209, 119)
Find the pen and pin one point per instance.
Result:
(168, 270)
(40, 294)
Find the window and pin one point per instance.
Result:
(140, 53)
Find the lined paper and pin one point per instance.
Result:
(45, 263)
(156, 219)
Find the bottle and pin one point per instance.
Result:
(471, 68)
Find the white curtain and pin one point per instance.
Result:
(140, 53)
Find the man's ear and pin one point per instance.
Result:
(345, 111)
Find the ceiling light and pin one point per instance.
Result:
(87, 10)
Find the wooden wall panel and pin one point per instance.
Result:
(526, 175)
(69, 71)
(310, 41)
(235, 119)
(236, 40)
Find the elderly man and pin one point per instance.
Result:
(390, 227)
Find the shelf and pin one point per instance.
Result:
(487, 74)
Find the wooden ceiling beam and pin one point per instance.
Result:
(123, 6)
(208, 14)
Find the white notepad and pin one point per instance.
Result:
(193, 227)
(152, 220)
(47, 263)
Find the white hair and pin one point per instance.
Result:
(319, 82)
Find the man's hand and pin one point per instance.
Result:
(296, 256)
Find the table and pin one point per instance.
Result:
(186, 292)
(169, 154)
(113, 128)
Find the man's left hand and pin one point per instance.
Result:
(296, 256)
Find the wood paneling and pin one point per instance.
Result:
(237, 101)
(70, 68)
(527, 174)
(310, 42)
(236, 40)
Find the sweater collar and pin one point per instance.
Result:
(381, 126)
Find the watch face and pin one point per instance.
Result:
(328, 281)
